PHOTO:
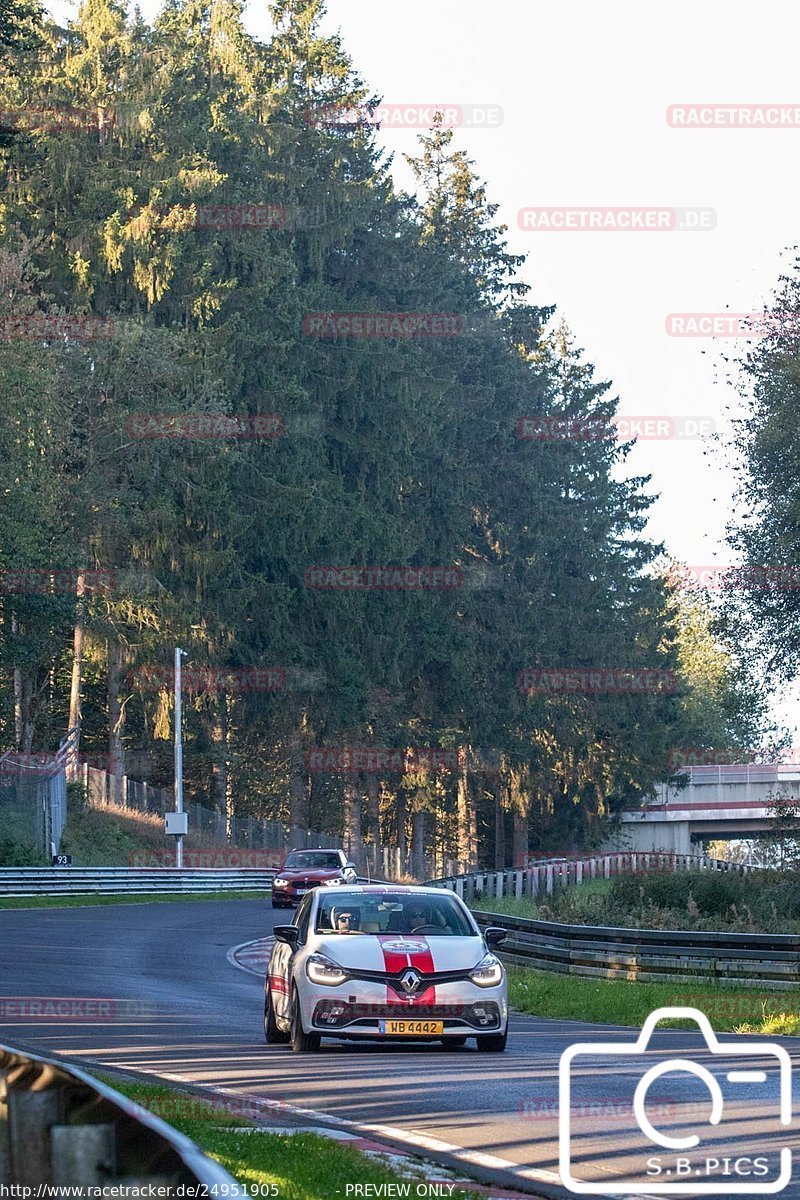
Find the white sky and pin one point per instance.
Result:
(584, 88)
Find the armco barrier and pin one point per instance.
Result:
(65, 881)
(767, 960)
(61, 1128)
(541, 878)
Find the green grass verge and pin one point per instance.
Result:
(98, 898)
(624, 1002)
(579, 896)
(300, 1166)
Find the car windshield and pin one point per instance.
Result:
(401, 913)
(319, 859)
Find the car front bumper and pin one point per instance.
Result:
(356, 1008)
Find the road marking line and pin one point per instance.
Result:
(411, 1137)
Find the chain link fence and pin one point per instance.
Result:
(213, 827)
(33, 800)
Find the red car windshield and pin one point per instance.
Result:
(311, 860)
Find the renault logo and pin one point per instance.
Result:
(410, 981)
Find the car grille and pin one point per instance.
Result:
(335, 1014)
(426, 980)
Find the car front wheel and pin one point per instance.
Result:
(302, 1042)
(495, 1043)
(272, 1034)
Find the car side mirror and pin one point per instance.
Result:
(494, 935)
(287, 934)
(351, 867)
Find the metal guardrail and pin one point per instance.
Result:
(540, 879)
(767, 960)
(59, 1127)
(66, 881)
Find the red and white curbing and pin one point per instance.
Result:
(252, 957)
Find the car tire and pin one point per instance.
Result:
(302, 1042)
(453, 1043)
(273, 1035)
(494, 1043)
(278, 904)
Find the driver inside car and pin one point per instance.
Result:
(346, 920)
(417, 916)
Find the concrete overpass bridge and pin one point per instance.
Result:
(719, 803)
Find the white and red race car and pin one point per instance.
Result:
(385, 962)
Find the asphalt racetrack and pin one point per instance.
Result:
(169, 1003)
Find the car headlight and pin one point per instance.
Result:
(488, 973)
(321, 969)
(332, 882)
(280, 883)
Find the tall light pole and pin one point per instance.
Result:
(178, 753)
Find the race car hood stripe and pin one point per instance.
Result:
(401, 952)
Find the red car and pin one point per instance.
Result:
(306, 869)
